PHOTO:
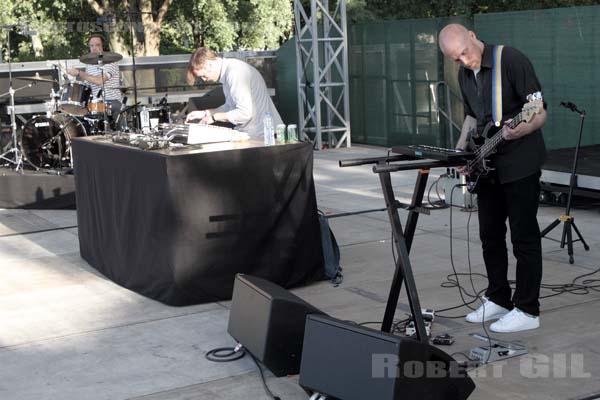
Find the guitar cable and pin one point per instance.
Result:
(574, 287)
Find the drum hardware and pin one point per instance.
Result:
(98, 107)
(101, 58)
(75, 98)
(46, 141)
(104, 57)
(37, 78)
(17, 158)
(97, 125)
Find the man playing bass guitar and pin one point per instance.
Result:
(498, 84)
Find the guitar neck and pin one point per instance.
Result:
(495, 140)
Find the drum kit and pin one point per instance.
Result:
(72, 112)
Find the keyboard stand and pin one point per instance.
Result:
(403, 239)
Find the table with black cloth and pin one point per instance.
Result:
(176, 225)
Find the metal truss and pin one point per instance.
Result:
(322, 73)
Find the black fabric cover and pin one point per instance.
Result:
(177, 225)
(36, 190)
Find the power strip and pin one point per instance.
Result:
(457, 196)
(428, 318)
(411, 330)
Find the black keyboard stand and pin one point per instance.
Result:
(403, 239)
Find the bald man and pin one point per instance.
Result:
(511, 192)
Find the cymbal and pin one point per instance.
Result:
(105, 57)
(36, 78)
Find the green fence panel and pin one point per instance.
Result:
(393, 66)
(564, 46)
(287, 87)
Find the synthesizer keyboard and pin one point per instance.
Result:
(433, 152)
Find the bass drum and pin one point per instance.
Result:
(46, 142)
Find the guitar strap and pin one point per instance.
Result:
(497, 86)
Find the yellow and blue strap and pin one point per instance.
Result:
(497, 86)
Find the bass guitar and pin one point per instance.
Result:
(480, 166)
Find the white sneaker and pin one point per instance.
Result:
(515, 321)
(489, 310)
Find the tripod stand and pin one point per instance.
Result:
(567, 234)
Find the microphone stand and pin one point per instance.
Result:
(135, 99)
(567, 218)
(104, 105)
(135, 113)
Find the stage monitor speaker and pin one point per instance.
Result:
(347, 361)
(269, 322)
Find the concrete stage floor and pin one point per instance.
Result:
(68, 333)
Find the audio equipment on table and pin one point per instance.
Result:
(146, 142)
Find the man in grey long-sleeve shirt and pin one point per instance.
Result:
(246, 95)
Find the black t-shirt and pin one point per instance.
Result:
(515, 159)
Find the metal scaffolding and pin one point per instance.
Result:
(322, 73)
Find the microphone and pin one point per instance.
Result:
(163, 101)
(569, 105)
(124, 101)
(99, 93)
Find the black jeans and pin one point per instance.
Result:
(518, 201)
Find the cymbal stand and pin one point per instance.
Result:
(136, 116)
(17, 159)
(104, 105)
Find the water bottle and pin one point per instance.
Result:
(145, 119)
(268, 131)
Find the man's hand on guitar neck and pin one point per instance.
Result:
(518, 132)
(524, 128)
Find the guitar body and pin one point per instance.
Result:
(482, 169)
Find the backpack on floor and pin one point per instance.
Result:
(331, 252)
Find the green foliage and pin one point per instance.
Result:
(357, 11)
(226, 25)
(223, 25)
(264, 24)
(55, 22)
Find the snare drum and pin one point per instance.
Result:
(97, 107)
(74, 98)
(46, 142)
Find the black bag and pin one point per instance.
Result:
(331, 252)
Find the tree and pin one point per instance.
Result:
(264, 24)
(225, 25)
(146, 22)
(193, 23)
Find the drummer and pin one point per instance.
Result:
(92, 76)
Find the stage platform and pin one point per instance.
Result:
(36, 190)
(69, 333)
(558, 166)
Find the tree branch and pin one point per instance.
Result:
(96, 7)
(162, 11)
